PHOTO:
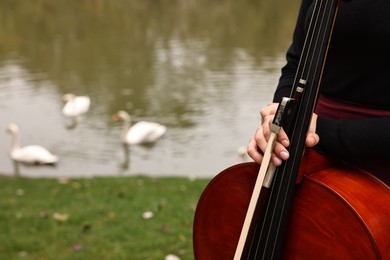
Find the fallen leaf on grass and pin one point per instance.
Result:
(86, 227)
(165, 228)
(78, 247)
(19, 192)
(147, 215)
(182, 237)
(43, 214)
(60, 217)
(172, 257)
(63, 180)
(111, 214)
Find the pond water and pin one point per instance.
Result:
(202, 69)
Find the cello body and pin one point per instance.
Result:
(338, 212)
(318, 209)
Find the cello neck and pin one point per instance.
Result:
(267, 240)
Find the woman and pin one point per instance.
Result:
(352, 116)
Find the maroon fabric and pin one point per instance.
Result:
(336, 109)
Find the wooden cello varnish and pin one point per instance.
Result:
(339, 212)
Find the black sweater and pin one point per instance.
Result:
(357, 71)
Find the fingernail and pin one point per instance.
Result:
(284, 155)
(277, 161)
(285, 143)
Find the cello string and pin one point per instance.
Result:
(306, 55)
(314, 67)
(307, 47)
(309, 67)
(315, 64)
(322, 41)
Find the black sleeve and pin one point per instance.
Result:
(360, 139)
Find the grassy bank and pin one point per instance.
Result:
(99, 218)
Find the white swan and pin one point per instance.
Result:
(141, 132)
(32, 154)
(75, 105)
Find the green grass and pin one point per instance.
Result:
(105, 218)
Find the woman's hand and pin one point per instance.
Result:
(258, 143)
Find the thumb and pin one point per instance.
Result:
(312, 139)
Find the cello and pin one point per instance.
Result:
(310, 207)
